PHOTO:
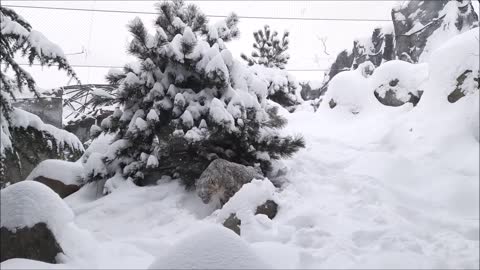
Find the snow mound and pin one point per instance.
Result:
(247, 199)
(449, 61)
(408, 77)
(67, 172)
(27, 203)
(213, 247)
(348, 91)
(19, 263)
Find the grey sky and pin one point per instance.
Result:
(104, 35)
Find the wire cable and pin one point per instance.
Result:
(208, 15)
(112, 66)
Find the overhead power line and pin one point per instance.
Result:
(112, 66)
(208, 15)
(219, 0)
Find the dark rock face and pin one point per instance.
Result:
(410, 41)
(233, 223)
(223, 178)
(460, 89)
(35, 243)
(390, 98)
(30, 147)
(382, 48)
(269, 208)
(59, 187)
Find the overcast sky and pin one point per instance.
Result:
(104, 36)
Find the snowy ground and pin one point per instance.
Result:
(358, 196)
(389, 187)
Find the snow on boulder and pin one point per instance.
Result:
(61, 176)
(397, 82)
(457, 58)
(213, 247)
(254, 198)
(31, 217)
(27, 203)
(348, 91)
(247, 199)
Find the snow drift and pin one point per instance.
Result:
(214, 247)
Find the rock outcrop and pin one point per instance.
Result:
(35, 243)
(417, 22)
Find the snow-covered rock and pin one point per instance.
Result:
(213, 247)
(61, 176)
(67, 172)
(31, 216)
(422, 26)
(397, 82)
(348, 91)
(27, 203)
(222, 179)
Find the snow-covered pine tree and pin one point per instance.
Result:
(19, 128)
(17, 36)
(268, 61)
(270, 49)
(188, 102)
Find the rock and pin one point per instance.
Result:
(35, 243)
(223, 179)
(269, 208)
(464, 82)
(390, 98)
(59, 187)
(61, 176)
(31, 216)
(233, 223)
(416, 21)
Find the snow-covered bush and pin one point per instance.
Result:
(270, 49)
(213, 247)
(283, 88)
(189, 102)
(268, 61)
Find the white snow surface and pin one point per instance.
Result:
(27, 203)
(389, 187)
(67, 172)
(213, 247)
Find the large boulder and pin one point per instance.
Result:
(61, 176)
(213, 247)
(422, 26)
(31, 215)
(36, 243)
(222, 179)
(398, 82)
